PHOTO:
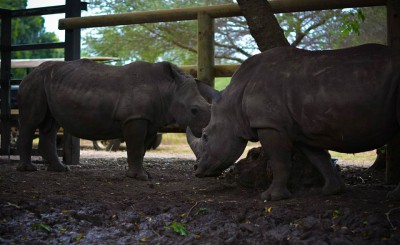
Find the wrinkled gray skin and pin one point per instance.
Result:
(96, 101)
(343, 100)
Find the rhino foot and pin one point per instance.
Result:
(333, 189)
(395, 194)
(138, 174)
(272, 194)
(59, 167)
(26, 167)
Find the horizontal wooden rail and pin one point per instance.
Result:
(219, 70)
(218, 11)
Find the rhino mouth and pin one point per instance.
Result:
(216, 171)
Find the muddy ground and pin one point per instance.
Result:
(95, 203)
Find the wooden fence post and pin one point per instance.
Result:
(72, 51)
(393, 39)
(205, 48)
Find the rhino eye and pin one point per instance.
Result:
(194, 111)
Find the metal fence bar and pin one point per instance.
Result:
(37, 46)
(5, 82)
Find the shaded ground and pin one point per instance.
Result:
(95, 203)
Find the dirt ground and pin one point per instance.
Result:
(95, 203)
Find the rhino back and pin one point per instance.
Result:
(93, 100)
(343, 100)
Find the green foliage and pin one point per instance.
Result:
(29, 30)
(177, 41)
(334, 28)
(172, 41)
(351, 22)
(178, 227)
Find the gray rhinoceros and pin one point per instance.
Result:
(96, 101)
(344, 100)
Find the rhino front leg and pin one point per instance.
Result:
(25, 148)
(321, 159)
(135, 132)
(278, 148)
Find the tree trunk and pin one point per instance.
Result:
(263, 25)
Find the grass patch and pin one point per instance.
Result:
(221, 82)
(174, 139)
(362, 157)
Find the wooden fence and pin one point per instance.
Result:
(72, 8)
(206, 70)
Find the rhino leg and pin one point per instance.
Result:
(278, 148)
(321, 159)
(395, 194)
(150, 138)
(26, 134)
(48, 145)
(135, 132)
(32, 112)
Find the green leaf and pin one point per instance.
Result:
(337, 213)
(178, 228)
(43, 227)
(345, 31)
(79, 237)
(62, 229)
(360, 15)
(201, 210)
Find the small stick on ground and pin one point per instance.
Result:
(388, 218)
(191, 209)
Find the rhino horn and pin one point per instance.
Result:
(194, 142)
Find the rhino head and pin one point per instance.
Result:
(189, 105)
(217, 148)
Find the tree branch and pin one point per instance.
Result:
(262, 23)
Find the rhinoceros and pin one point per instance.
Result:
(96, 101)
(346, 100)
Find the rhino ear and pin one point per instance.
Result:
(210, 94)
(174, 72)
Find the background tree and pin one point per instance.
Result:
(332, 29)
(29, 30)
(177, 42)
